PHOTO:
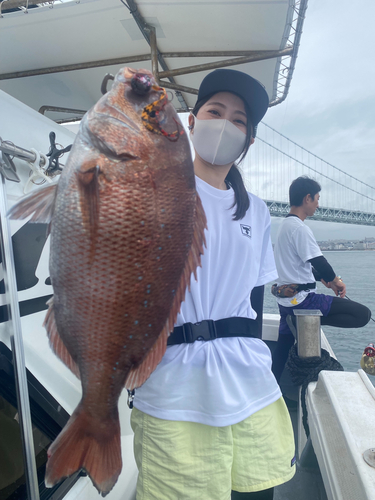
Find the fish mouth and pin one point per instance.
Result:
(140, 80)
(141, 84)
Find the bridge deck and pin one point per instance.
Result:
(281, 209)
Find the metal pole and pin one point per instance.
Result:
(260, 56)
(308, 332)
(308, 345)
(174, 86)
(126, 60)
(217, 53)
(42, 110)
(14, 326)
(21, 153)
(142, 25)
(75, 67)
(154, 53)
(14, 4)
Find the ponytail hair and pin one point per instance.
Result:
(234, 177)
(242, 201)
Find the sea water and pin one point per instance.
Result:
(357, 270)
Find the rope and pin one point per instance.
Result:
(152, 119)
(306, 370)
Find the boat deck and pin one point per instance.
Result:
(307, 484)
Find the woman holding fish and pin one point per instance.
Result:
(127, 230)
(210, 422)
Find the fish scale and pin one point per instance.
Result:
(127, 232)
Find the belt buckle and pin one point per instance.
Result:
(205, 330)
(187, 333)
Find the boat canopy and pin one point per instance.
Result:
(56, 54)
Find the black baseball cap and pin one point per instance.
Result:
(242, 84)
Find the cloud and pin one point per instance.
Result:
(330, 108)
(329, 111)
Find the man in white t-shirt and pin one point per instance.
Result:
(300, 263)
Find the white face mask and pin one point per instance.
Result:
(218, 141)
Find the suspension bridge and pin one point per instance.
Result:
(274, 161)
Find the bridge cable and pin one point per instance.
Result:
(319, 173)
(321, 159)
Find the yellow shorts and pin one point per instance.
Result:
(190, 461)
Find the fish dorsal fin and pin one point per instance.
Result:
(140, 374)
(55, 341)
(40, 203)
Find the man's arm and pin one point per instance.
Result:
(322, 269)
(324, 272)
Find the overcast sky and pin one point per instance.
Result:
(330, 109)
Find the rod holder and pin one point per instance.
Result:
(308, 332)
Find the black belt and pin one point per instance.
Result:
(209, 330)
(307, 286)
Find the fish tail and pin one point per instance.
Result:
(86, 443)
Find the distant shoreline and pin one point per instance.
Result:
(347, 249)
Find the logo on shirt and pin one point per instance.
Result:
(246, 230)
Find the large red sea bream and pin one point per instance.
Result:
(127, 232)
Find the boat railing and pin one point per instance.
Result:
(15, 333)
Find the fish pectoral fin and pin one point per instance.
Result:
(40, 203)
(88, 184)
(89, 169)
(56, 342)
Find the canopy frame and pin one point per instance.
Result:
(165, 77)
